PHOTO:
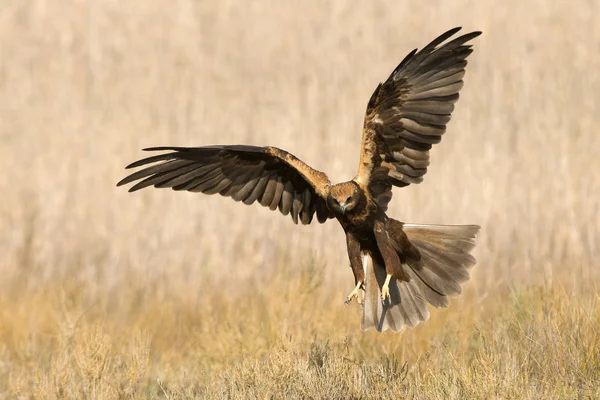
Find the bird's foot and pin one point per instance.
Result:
(354, 294)
(385, 289)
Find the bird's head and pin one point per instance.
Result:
(344, 197)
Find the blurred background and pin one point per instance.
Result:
(84, 85)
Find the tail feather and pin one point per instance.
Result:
(408, 300)
(443, 267)
(436, 274)
(430, 295)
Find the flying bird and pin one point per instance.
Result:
(398, 267)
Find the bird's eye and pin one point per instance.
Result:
(348, 199)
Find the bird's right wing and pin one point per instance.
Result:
(271, 176)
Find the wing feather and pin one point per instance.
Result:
(307, 212)
(278, 193)
(258, 189)
(218, 184)
(297, 206)
(285, 205)
(266, 198)
(270, 176)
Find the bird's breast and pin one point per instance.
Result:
(358, 220)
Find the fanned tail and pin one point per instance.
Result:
(443, 266)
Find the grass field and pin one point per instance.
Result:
(158, 294)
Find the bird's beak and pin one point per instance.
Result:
(343, 207)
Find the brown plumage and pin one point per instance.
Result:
(400, 267)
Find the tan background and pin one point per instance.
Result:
(85, 85)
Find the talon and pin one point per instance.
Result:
(385, 289)
(354, 293)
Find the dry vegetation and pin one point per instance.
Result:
(159, 294)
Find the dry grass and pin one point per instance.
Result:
(161, 294)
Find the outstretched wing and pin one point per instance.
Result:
(271, 176)
(408, 113)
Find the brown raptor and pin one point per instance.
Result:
(401, 267)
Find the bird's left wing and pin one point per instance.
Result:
(408, 113)
(271, 176)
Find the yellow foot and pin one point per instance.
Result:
(354, 293)
(385, 289)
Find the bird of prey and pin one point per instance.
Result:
(398, 267)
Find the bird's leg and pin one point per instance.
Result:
(357, 266)
(354, 294)
(391, 259)
(385, 289)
